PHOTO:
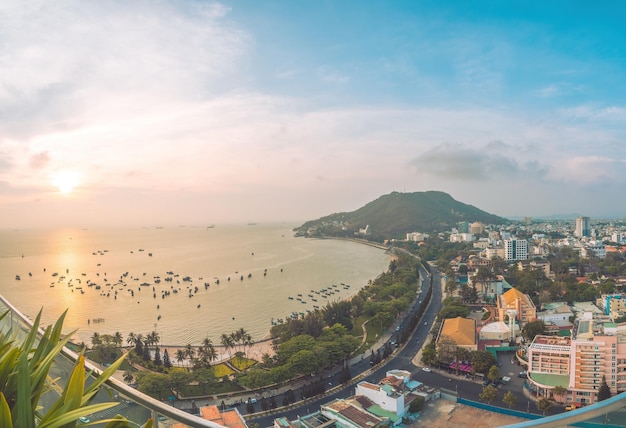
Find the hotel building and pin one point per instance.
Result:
(579, 364)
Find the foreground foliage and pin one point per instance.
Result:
(24, 378)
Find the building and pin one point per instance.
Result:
(489, 289)
(477, 228)
(230, 418)
(558, 314)
(598, 350)
(614, 305)
(461, 330)
(493, 252)
(597, 250)
(515, 300)
(499, 331)
(352, 413)
(531, 265)
(515, 249)
(582, 227)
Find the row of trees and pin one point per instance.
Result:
(324, 337)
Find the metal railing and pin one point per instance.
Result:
(20, 325)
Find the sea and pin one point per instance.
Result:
(186, 283)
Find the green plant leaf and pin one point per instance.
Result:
(106, 374)
(5, 413)
(25, 415)
(69, 416)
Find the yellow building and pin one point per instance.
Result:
(461, 330)
(515, 300)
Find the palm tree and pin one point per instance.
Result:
(117, 339)
(234, 339)
(152, 338)
(131, 339)
(189, 351)
(95, 339)
(180, 356)
(228, 343)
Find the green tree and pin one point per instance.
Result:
(604, 391)
(128, 377)
(482, 361)
(429, 354)
(544, 405)
(489, 394)
(493, 373)
(532, 329)
(166, 359)
(417, 405)
(509, 399)
(559, 392)
(205, 377)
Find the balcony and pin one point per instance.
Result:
(134, 405)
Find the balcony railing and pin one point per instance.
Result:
(131, 400)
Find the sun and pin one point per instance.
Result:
(66, 181)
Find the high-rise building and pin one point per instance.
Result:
(582, 227)
(515, 249)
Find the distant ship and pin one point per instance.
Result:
(211, 226)
(251, 224)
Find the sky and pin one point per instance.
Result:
(199, 112)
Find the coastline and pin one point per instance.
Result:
(98, 271)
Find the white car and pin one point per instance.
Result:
(426, 369)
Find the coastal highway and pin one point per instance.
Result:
(401, 359)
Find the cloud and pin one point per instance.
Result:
(591, 170)
(64, 61)
(455, 162)
(39, 160)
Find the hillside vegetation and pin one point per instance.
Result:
(395, 214)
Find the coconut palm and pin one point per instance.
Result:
(180, 356)
(228, 343)
(189, 351)
(95, 339)
(118, 339)
(131, 339)
(152, 338)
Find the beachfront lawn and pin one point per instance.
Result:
(217, 389)
(373, 332)
(221, 370)
(96, 357)
(242, 363)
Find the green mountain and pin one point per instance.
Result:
(395, 214)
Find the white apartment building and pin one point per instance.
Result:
(515, 249)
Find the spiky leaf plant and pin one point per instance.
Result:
(24, 378)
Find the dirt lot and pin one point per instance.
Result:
(444, 413)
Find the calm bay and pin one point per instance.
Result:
(264, 273)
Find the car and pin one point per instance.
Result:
(571, 407)
(523, 374)
(398, 328)
(425, 322)
(426, 369)
(486, 382)
(252, 400)
(84, 420)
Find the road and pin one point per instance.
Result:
(401, 359)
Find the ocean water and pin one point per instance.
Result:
(272, 275)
